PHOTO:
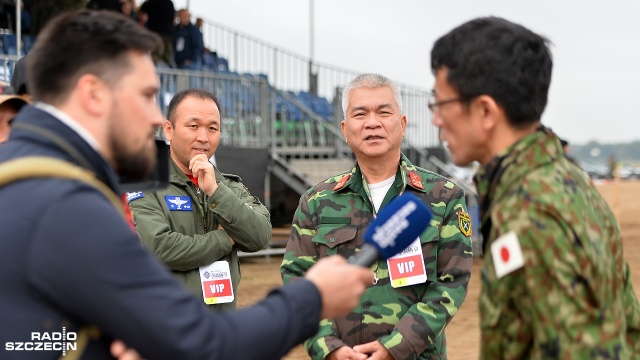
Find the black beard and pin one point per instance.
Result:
(133, 166)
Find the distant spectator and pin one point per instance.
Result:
(187, 43)
(19, 78)
(14, 98)
(200, 26)
(565, 149)
(9, 107)
(42, 11)
(142, 18)
(160, 19)
(129, 8)
(113, 5)
(612, 172)
(8, 18)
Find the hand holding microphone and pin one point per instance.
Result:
(340, 283)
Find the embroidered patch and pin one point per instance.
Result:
(416, 181)
(343, 181)
(464, 220)
(178, 203)
(134, 195)
(507, 254)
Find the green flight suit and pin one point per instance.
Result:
(186, 240)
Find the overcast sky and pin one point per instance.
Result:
(595, 88)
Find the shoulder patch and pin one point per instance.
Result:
(416, 181)
(506, 254)
(134, 195)
(232, 177)
(342, 182)
(464, 221)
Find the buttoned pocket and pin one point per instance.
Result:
(332, 235)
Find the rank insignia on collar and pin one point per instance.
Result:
(341, 183)
(415, 180)
(464, 221)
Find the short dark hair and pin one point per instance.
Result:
(495, 57)
(181, 95)
(84, 42)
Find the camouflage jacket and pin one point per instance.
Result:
(409, 321)
(572, 296)
(186, 240)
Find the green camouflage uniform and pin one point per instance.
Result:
(573, 298)
(186, 240)
(409, 321)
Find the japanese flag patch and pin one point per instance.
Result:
(507, 254)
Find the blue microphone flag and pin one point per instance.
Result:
(395, 228)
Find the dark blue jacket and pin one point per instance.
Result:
(68, 258)
(191, 39)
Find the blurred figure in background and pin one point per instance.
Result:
(187, 43)
(160, 18)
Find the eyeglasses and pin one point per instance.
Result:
(433, 106)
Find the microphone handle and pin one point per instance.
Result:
(365, 257)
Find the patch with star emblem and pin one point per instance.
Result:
(464, 220)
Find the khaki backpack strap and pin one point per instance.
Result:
(43, 166)
(85, 335)
(48, 167)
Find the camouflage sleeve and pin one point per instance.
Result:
(424, 322)
(301, 253)
(578, 277)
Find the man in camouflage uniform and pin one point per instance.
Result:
(397, 318)
(555, 284)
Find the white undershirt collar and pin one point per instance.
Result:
(70, 122)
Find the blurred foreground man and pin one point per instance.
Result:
(555, 283)
(68, 258)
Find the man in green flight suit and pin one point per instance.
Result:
(199, 222)
(555, 284)
(404, 313)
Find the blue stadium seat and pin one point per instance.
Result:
(9, 44)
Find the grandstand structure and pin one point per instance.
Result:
(283, 111)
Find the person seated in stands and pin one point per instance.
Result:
(187, 43)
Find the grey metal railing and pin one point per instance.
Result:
(289, 71)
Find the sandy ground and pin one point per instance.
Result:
(260, 274)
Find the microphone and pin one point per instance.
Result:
(395, 228)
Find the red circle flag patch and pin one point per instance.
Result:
(506, 254)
